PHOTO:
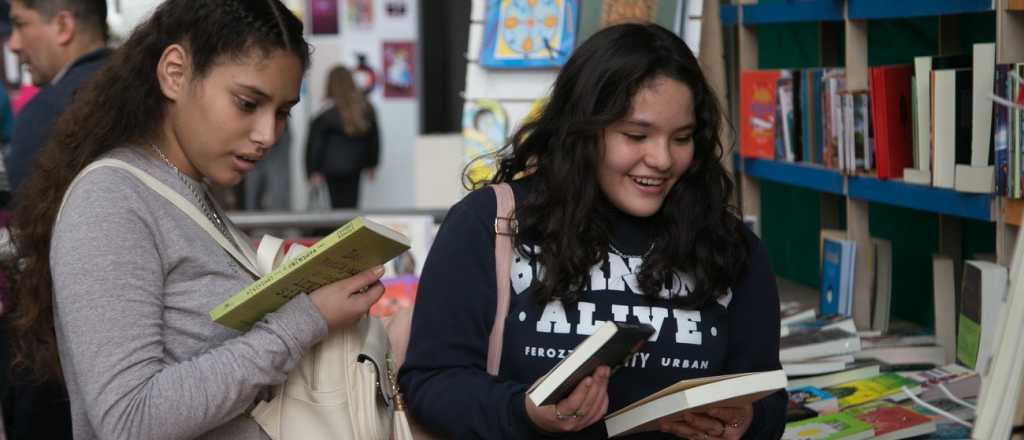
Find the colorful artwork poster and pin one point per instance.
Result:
(484, 128)
(360, 14)
(528, 34)
(396, 8)
(324, 16)
(399, 69)
(627, 11)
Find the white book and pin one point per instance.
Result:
(983, 82)
(975, 179)
(689, 395)
(944, 300)
(944, 128)
(817, 366)
(922, 92)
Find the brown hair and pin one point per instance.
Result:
(349, 100)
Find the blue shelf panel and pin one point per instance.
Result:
(800, 175)
(878, 9)
(796, 11)
(920, 197)
(728, 14)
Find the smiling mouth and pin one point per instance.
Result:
(648, 181)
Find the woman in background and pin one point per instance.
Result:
(343, 141)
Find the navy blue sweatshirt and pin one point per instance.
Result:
(444, 377)
(34, 125)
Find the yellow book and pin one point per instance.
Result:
(358, 245)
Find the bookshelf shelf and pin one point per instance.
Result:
(920, 197)
(803, 11)
(729, 14)
(800, 175)
(870, 189)
(881, 9)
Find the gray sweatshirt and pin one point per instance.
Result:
(133, 279)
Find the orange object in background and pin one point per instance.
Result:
(399, 294)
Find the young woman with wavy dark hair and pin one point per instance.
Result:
(622, 209)
(121, 283)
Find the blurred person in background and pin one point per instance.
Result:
(343, 141)
(63, 43)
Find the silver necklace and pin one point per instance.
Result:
(616, 251)
(200, 197)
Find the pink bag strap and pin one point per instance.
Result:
(504, 226)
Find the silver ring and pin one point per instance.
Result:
(735, 424)
(559, 416)
(363, 289)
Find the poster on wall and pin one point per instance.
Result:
(396, 9)
(324, 17)
(360, 14)
(363, 74)
(528, 34)
(399, 69)
(627, 11)
(484, 128)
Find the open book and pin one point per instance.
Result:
(609, 345)
(693, 394)
(358, 245)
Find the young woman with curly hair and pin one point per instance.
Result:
(622, 212)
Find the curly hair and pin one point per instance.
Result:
(697, 230)
(123, 105)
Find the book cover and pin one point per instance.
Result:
(814, 398)
(893, 422)
(831, 266)
(984, 286)
(866, 390)
(811, 115)
(356, 246)
(890, 91)
(1001, 128)
(757, 113)
(609, 345)
(833, 82)
(838, 426)
(809, 345)
(693, 394)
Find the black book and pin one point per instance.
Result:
(610, 345)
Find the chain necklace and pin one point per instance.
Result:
(200, 197)
(616, 251)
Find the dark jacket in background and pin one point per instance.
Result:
(340, 157)
(38, 410)
(35, 123)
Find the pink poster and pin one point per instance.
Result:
(399, 69)
(324, 17)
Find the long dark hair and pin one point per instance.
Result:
(121, 105)
(697, 230)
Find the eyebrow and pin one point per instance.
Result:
(264, 95)
(644, 124)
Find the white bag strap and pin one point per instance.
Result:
(245, 257)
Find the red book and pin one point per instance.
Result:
(757, 113)
(895, 422)
(890, 88)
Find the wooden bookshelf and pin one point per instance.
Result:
(858, 192)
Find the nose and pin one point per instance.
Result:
(264, 130)
(658, 155)
(14, 43)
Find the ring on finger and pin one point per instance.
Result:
(363, 289)
(560, 416)
(735, 424)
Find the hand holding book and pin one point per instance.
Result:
(729, 423)
(343, 303)
(585, 405)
